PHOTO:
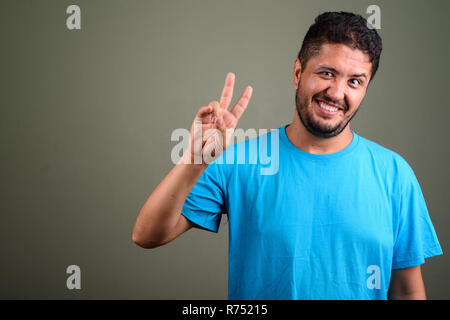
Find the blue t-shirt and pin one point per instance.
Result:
(308, 226)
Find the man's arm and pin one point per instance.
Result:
(160, 220)
(407, 284)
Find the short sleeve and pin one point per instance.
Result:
(205, 203)
(415, 237)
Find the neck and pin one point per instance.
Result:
(304, 140)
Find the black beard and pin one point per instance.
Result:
(315, 128)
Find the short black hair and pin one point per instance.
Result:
(341, 28)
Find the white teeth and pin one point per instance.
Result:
(327, 107)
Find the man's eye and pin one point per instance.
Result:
(354, 81)
(327, 73)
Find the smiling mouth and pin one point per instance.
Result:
(326, 108)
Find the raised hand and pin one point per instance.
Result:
(214, 125)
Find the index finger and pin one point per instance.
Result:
(227, 92)
(242, 103)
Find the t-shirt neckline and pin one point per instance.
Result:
(349, 148)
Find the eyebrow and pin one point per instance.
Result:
(335, 71)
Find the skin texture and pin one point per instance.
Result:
(329, 77)
(339, 87)
(160, 220)
(407, 284)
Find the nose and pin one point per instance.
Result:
(336, 91)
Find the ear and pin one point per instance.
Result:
(296, 72)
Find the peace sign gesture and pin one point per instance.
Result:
(214, 124)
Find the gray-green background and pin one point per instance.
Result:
(86, 118)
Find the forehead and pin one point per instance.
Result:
(342, 58)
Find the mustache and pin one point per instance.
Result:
(325, 98)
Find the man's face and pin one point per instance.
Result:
(331, 88)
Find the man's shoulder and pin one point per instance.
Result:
(385, 156)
